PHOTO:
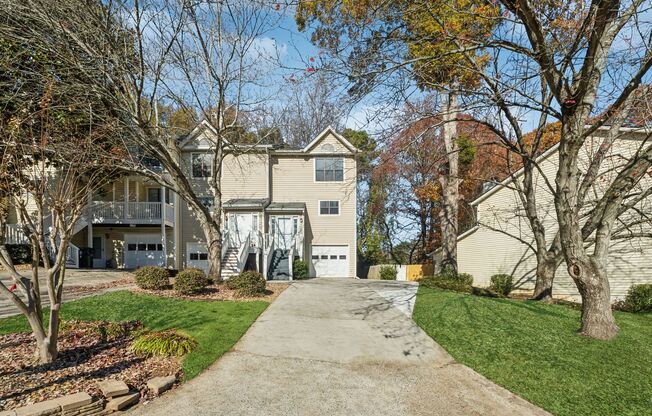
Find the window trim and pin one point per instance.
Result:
(339, 208)
(192, 170)
(314, 168)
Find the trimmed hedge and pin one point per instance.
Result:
(247, 284)
(387, 273)
(501, 284)
(152, 278)
(190, 281)
(299, 269)
(449, 280)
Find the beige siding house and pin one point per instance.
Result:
(279, 205)
(282, 204)
(502, 241)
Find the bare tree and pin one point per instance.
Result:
(206, 56)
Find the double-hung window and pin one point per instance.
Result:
(329, 207)
(329, 169)
(201, 165)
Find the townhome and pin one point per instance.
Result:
(278, 205)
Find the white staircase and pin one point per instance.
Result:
(230, 263)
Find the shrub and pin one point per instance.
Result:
(190, 281)
(152, 278)
(247, 284)
(299, 269)
(20, 253)
(639, 298)
(387, 273)
(501, 284)
(165, 343)
(446, 283)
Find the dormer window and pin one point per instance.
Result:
(329, 169)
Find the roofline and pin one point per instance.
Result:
(338, 136)
(459, 237)
(512, 177)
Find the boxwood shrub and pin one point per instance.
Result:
(299, 269)
(190, 281)
(247, 284)
(639, 298)
(449, 280)
(152, 278)
(20, 253)
(501, 284)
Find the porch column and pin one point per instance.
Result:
(163, 236)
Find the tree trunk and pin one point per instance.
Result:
(214, 241)
(46, 350)
(450, 188)
(597, 318)
(546, 268)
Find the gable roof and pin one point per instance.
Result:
(199, 128)
(338, 136)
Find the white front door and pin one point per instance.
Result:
(143, 250)
(240, 226)
(197, 256)
(284, 228)
(330, 261)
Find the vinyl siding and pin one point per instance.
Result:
(499, 243)
(293, 180)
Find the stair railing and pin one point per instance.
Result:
(243, 253)
(291, 257)
(270, 245)
(225, 243)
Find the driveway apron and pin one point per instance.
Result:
(339, 347)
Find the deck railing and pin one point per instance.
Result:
(14, 234)
(130, 212)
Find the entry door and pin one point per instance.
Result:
(285, 229)
(153, 194)
(240, 226)
(98, 253)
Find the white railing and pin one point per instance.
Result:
(14, 234)
(243, 253)
(72, 256)
(267, 253)
(225, 242)
(134, 212)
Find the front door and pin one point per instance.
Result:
(98, 253)
(285, 229)
(240, 226)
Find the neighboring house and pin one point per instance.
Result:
(500, 242)
(279, 204)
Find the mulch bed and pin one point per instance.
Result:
(127, 281)
(218, 292)
(86, 355)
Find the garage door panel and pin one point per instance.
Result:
(330, 261)
(143, 250)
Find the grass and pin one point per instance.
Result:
(532, 349)
(215, 325)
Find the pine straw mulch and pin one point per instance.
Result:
(87, 354)
(217, 292)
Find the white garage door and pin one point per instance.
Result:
(330, 261)
(143, 250)
(197, 256)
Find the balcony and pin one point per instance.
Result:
(153, 213)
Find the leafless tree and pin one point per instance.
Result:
(212, 57)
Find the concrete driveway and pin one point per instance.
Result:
(88, 282)
(339, 347)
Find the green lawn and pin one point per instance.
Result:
(215, 325)
(532, 350)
